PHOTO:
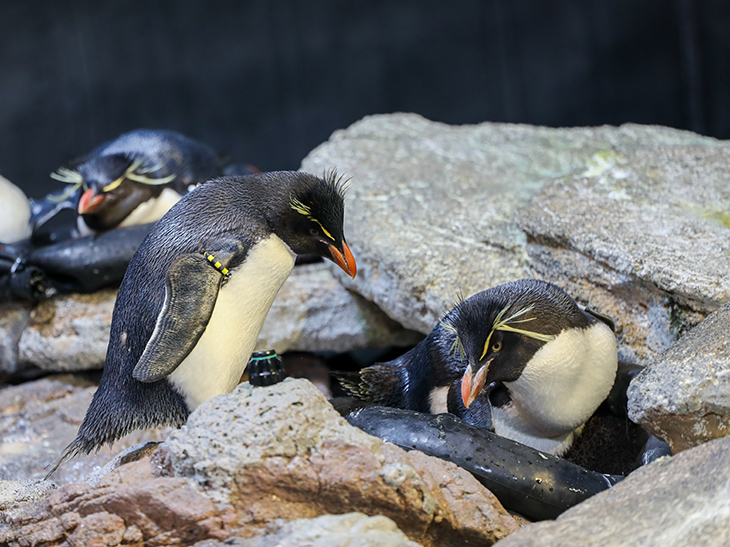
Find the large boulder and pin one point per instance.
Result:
(677, 501)
(283, 452)
(684, 395)
(608, 213)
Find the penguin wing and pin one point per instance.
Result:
(191, 289)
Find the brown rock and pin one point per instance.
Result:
(283, 452)
(131, 505)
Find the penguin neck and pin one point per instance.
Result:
(566, 380)
(218, 360)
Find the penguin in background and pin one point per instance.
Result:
(197, 291)
(133, 179)
(14, 213)
(521, 359)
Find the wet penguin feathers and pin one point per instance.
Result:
(193, 300)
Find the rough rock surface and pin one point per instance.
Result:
(132, 505)
(68, 333)
(644, 235)
(684, 395)
(312, 312)
(435, 210)
(249, 460)
(283, 452)
(14, 318)
(38, 419)
(348, 530)
(677, 501)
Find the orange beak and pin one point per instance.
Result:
(472, 385)
(89, 202)
(344, 259)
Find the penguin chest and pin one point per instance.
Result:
(152, 209)
(218, 360)
(565, 381)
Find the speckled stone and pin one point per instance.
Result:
(673, 502)
(683, 397)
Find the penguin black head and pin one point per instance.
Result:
(496, 332)
(113, 190)
(310, 218)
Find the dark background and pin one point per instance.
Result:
(267, 81)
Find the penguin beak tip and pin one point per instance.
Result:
(344, 259)
(472, 385)
(89, 202)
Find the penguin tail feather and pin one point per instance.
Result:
(381, 384)
(75, 448)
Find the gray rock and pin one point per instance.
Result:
(677, 501)
(14, 317)
(14, 492)
(437, 210)
(312, 312)
(39, 418)
(684, 395)
(348, 530)
(644, 235)
(68, 333)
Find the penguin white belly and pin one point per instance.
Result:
(14, 213)
(509, 424)
(218, 360)
(153, 209)
(566, 380)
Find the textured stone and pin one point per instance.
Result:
(38, 419)
(14, 492)
(643, 234)
(14, 318)
(677, 501)
(348, 530)
(313, 312)
(131, 504)
(436, 210)
(69, 333)
(283, 452)
(683, 396)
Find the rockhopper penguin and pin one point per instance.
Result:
(197, 291)
(522, 359)
(133, 179)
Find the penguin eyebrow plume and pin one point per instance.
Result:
(457, 347)
(305, 210)
(500, 323)
(139, 175)
(67, 176)
(216, 264)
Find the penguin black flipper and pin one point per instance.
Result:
(192, 283)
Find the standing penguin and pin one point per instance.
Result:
(197, 291)
(133, 179)
(522, 359)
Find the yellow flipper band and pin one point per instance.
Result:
(216, 263)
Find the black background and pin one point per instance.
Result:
(267, 81)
